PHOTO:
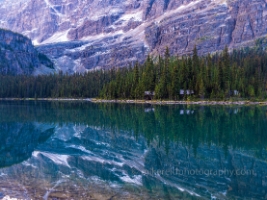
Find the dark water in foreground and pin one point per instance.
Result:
(75, 150)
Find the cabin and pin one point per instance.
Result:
(149, 95)
(186, 92)
(233, 93)
(236, 92)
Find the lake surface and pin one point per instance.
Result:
(81, 150)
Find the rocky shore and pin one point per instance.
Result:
(158, 102)
(45, 99)
(205, 102)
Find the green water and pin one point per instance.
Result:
(81, 150)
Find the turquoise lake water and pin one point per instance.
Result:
(81, 150)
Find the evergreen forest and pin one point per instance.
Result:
(240, 74)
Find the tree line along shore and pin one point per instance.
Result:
(236, 76)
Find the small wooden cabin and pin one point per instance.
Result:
(186, 92)
(149, 95)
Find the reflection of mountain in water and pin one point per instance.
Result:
(118, 164)
(122, 151)
(226, 126)
(76, 158)
(18, 140)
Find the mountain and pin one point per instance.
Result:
(82, 35)
(19, 56)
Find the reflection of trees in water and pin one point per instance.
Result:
(227, 126)
(164, 127)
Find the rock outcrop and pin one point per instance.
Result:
(19, 56)
(115, 33)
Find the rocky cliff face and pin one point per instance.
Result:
(19, 56)
(114, 33)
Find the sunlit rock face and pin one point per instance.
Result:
(116, 33)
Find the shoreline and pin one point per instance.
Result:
(170, 102)
(154, 102)
(46, 99)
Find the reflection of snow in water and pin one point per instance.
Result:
(78, 129)
(52, 189)
(26, 163)
(137, 179)
(64, 133)
(56, 158)
(116, 159)
(122, 155)
(2, 174)
(100, 160)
